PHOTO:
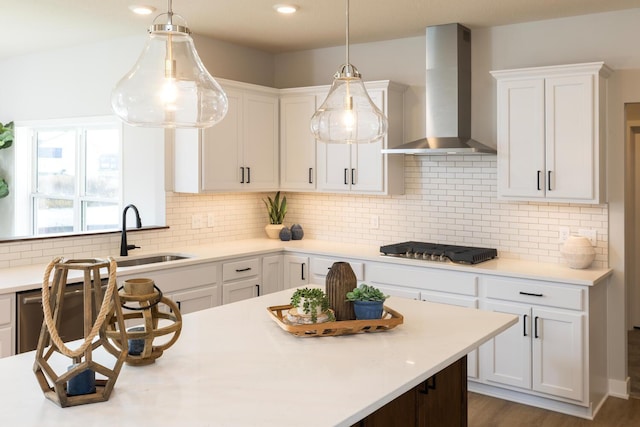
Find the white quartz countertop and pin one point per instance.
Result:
(30, 277)
(233, 366)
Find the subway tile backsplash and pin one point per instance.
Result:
(448, 199)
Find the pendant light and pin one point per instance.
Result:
(169, 86)
(348, 115)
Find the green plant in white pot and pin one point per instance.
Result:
(368, 301)
(313, 303)
(277, 209)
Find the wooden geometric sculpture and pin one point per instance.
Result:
(76, 385)
(142, 300)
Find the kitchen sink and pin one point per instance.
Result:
(150, 260)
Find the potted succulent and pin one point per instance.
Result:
(311, 302)
(6, 140)
(367, 301)
(277, 209)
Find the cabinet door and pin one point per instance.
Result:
(570, 138)
(297, 144)
(506, 359)
(272, 274)
(238, 291)
(296, 271)
(260, 142)
(367, 161)
(197, 299)
(6, 341)
(222, 148)
(334, 167)
(558, 354)
(521, 133)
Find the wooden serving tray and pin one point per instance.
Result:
(390, 319)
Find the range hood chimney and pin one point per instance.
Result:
(448, 96)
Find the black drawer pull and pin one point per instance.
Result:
(240, 270)
(539, 174)
(429, 384)
(258, 288)
(242, 171)
(345, 176)
(248, 175)
(535, 327)
(302, 275)
(549, 180)
(353, 179)
(529, 294)
(524, 325)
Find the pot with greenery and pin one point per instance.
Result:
(312, 304)
(277, 209)
(6, 140)
(367, 301)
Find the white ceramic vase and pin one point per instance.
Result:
(273, 230)
(578, 252)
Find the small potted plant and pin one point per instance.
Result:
(277, 209)
(367, 301)
(6, 140)
(311, 302)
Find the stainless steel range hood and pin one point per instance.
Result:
(448, 96)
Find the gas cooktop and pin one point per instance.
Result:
(439, 252)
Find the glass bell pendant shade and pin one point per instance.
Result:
(348, 115)
(169, 86)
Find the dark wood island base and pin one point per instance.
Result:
(440, 401)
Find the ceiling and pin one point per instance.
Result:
(32, 25)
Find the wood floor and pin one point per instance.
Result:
(487, 411)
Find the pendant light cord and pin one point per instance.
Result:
(347, 36)
(170, 12)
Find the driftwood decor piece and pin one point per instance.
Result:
(142, 302)
(340, 280)
(78, 384)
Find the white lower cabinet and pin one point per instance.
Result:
(241, 280)
(296, 271)
(546, 352)
(272, 274)
(7, 320)
(319, 268)
(192, 288)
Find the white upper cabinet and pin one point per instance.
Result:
(551, 133)
(297, 144)
(356, 168)
(240, 153)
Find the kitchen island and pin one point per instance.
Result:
(233, 366)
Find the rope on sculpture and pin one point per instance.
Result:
(100, 319)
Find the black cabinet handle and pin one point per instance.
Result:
(353, 179)
(429, 384)
(248, 175)
(535, 327)
(529, 294)
(524, 325)
(310, 175)
(302, 272)
(345, 176)
(549, 180)
(539, 174)
(240, 270)
(242, 174)
(258, 288)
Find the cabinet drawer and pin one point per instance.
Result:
(535, 293)
(240, 269)
(321, 266)
(424, 279)
(5, 310)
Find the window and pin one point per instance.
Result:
(76, 177)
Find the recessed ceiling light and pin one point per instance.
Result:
(285, 8)
(142, 9)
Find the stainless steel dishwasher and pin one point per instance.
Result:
(29, 316)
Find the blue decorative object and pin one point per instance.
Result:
(285, 234)
(83, 383)
(368, 309)
(136, 346)
(296, 232)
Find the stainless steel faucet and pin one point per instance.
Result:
(124, 247)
